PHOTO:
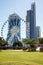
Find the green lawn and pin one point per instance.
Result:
(19, 57)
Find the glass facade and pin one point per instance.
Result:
(13, 29)
(32, 33)
(31, 21)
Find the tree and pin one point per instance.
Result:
(3, 42)
(17, 44)
(28, 41)
(41, 40)
(31, 43)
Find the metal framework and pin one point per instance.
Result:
(4, 26)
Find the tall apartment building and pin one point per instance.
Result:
(13, 29)
(31, 23)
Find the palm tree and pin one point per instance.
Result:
(30, 44)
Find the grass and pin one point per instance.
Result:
(19, 57)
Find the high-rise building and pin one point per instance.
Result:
(27, 25)
(33, 8)
(13, 29)
(38, 32)
(31, 23)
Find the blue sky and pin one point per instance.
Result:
(20, 7)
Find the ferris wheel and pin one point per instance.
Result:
(14, 29)
(2, 29)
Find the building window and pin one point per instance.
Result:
(15, 22)
(18, 22)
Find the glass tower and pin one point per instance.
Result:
(33, 8)
(13, 29)
(31, 23)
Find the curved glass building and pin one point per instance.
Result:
(14, 22)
